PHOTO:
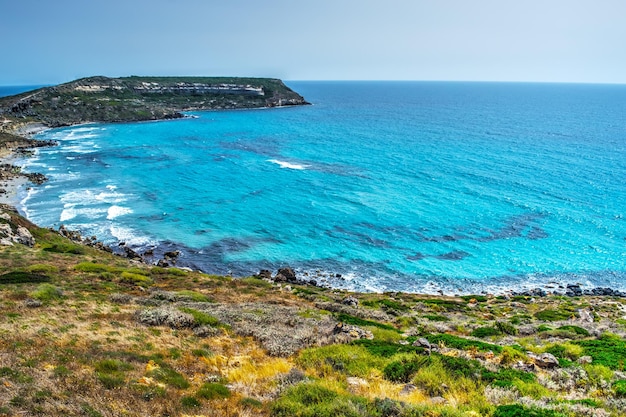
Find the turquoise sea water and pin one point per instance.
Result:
(413, 186)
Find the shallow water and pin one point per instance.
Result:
(460, 187)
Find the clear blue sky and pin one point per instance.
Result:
(52, 41)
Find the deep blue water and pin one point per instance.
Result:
(414, 186)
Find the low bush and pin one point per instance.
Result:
(619, 387)
(70, 248)
(553, 315)
(212, 391)
(608, 350)
(462, 343)
(352, 360)
(92, 267)
(386, 349)
(486, 332)
(355, 321)
(517, 410)
(403, 370)
(201, 318)
(137, 279)
(46, 293)
(23, 277)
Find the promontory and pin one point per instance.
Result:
(127, 99)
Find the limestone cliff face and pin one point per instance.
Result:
(103, 99)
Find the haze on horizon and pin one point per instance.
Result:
(481, 40)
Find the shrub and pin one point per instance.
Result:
(485, 332)
(403, 370)
(70, 248)
(355, 321)
(201, 318)
(137, 279)
(565, 350)
(46, 293)
(213, 390)
(250, 403)
(456, 342)
(575, 329)
(507, 328)
(510, 355)
(23, 277)
(92, 267)
(189, 402)
(609, 351)
(386, 349)
(619, 387)
(193, 296)
(436, 317)
(42, 269)
(553, 315)
(517, 410)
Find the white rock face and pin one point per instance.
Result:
(8, 236)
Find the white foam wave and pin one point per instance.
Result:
(128, 236)
(111, 187)
(285, 164)
(116, 211)
(70, 212)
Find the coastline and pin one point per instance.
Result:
(13, 181)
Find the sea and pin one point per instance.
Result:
(427, 187)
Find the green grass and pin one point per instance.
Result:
(212, 391)
(348, 359)
(167, 375)
(194, 296)
(110, 372)
(355, 321)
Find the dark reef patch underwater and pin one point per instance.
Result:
(407, 186)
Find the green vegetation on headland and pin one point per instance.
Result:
(86, 333)
(103, 99)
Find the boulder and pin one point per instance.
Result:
(285, 275)
(264, 274)
(24, 237)
(353, 332)
(350, 301)
(545, 360)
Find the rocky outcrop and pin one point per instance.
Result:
(11, 233)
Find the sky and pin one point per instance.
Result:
(49, 42)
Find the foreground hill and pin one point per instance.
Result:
(87, 333)
(103, 99)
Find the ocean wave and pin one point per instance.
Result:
(290, 165)
(116, 211)
(129, 236)
(71, 212)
